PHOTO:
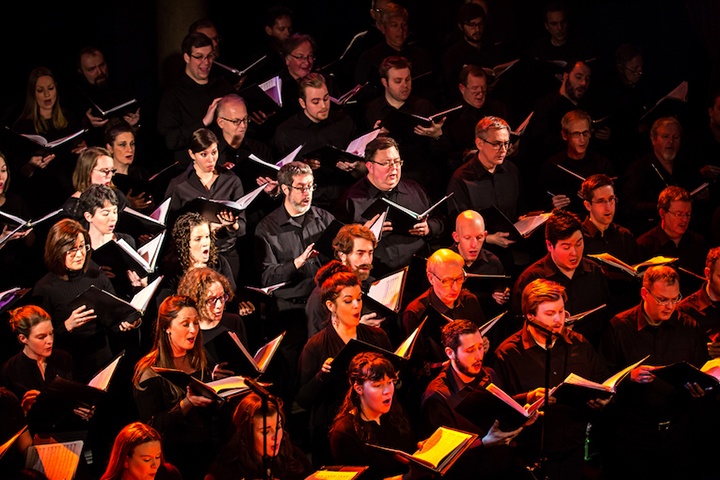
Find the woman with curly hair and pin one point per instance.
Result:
(193, 247)
(192, 425)
(212, 293)
(370, 414)
(320, 392)
(137, 455)
(242, 457)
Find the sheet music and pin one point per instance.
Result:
(58, 461)
(387, 290)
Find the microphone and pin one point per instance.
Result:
(257, 388)
(542, 328)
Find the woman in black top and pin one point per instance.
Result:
(321, 390)
(80, 332)
(191, 424)
(370, 414)
(242, 457)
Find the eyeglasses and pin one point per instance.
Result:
(666, 302)
(237, 121)
(606, 201)
(106, 171)
(497, 145)
(474, 24)
(584, 134)
(634, 71)
(476, 90)
(450, 282)
(391, 163)
(201, 58)
(687, 215)
(212, 301)
(82, 248)
(302, 58)
(304, 188)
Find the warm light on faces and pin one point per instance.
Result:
(103, 172)
(205, 160)
(273, 435)
(316, 103)
(550, 315)
(489, 156)
(447, 280)
(298, 197)
(384, 170)
(666, 142)
(577, 82)
(396, 32)
(40, 343)
(676, 219)
(360, 258)
(94, 68)
(144, 462)
(75, 256)
(602, 207)
(567, 253)
(577, 137)
(347, 306)
(215, 302)
(475, 92)
(199, 63)
(376, 396)
(714, 280)
(660, 292)
(470, 353)
(398, 85)
(3, 175)
(301, 60)
(200, 242)
(470, 237)
(233, 120)
(183, 331)
(45, 94)
(104, 219)
(123, 149)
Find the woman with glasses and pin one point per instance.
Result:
(242, 456)
(321, 390)
(212, 293)
(94, 167)
(79, 331)
(370, 413)
(209, 180)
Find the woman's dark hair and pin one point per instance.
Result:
(201, 139)
(332, 278)
(23, 319)
(370, 366)
(115, 127)
(60, 239)
(94, 198)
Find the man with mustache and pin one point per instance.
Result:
(582, 278)
(672, 237)
(353, 245)
(464, 372)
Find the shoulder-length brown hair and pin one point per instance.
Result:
(86, 162)
(60, 239)
(181, 236)
(31, 109)
(130, 436)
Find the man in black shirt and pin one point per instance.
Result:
(583, 279)
(284, 253)
(190, 103)
(402, 238)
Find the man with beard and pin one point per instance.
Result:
(284, 251)
(672, 238)
(582, 278)
(648, 175)
(544, 134)
(353, 245)
(462, 374)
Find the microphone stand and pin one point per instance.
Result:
(264, 398)
(539, 465)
